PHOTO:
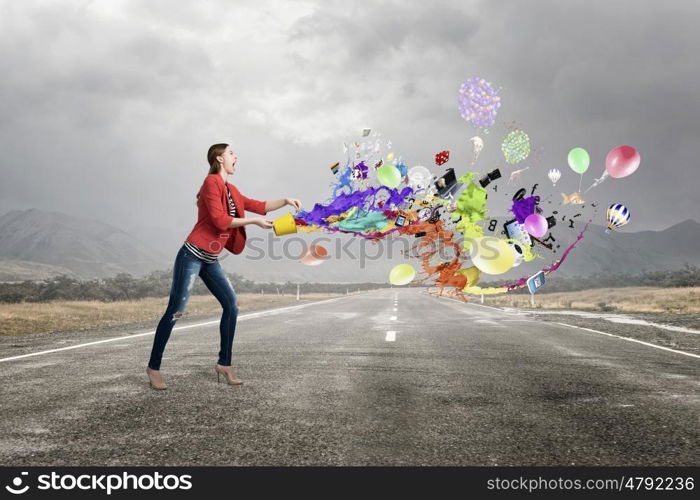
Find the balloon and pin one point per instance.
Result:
(390, 156)
(622, 161)
(579, 160)
(491, 255)
(478, 102)
(419, 177)
(618, 215)
(389, 176)
(516, 146)
(536, 225)
(314, 255)
(554, 175)
(402, 274)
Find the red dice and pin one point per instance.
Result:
(442, 157)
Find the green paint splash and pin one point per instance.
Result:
(471, 206)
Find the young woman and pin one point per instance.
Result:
(220, 224)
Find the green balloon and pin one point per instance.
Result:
(389, 176)
(579, 160)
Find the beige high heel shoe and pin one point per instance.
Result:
(155, 380)
(231, 379)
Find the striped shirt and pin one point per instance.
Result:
(202, 254)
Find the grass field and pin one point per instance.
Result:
(623, 300)
(56, 316)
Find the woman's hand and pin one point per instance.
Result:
(263, 223)
(293, 202)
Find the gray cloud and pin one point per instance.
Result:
(109, 107)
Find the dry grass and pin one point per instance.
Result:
(629, 299)
(62, 315)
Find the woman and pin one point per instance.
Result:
(220, 224)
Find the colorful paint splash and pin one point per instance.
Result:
(363, 204)
(359, 213)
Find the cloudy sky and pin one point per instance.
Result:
(108, 108)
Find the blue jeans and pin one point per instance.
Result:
(187, 267)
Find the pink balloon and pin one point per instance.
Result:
(536, 225)
(622, 161)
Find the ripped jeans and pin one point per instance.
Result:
(187, 267)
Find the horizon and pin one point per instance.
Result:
(625, 230)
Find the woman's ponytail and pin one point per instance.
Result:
(214, 166)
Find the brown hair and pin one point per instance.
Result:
(214, 166)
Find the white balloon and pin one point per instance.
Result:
(419, 178)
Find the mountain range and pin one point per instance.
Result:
(37, 244)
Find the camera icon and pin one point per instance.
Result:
(17, 483)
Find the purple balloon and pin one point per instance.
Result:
(478, 102)
(536, 225)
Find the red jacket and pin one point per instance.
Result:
(211, 232)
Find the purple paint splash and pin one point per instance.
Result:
(360, 170)
(364, 201)
(523, 281)
(524, 207)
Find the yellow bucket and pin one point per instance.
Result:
(284, 225)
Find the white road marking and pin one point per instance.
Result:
(393, 318)
(591, 330)
(268, 312)
(630, 340)
(395, 309)
(390, 336)
(488, 322)
(624, 319)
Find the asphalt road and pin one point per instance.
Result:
(329, 384)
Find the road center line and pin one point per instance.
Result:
(393, 318)
(390, 336)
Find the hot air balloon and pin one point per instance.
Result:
(618, 215)
(554, 175)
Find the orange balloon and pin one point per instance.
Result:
(314, 255)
